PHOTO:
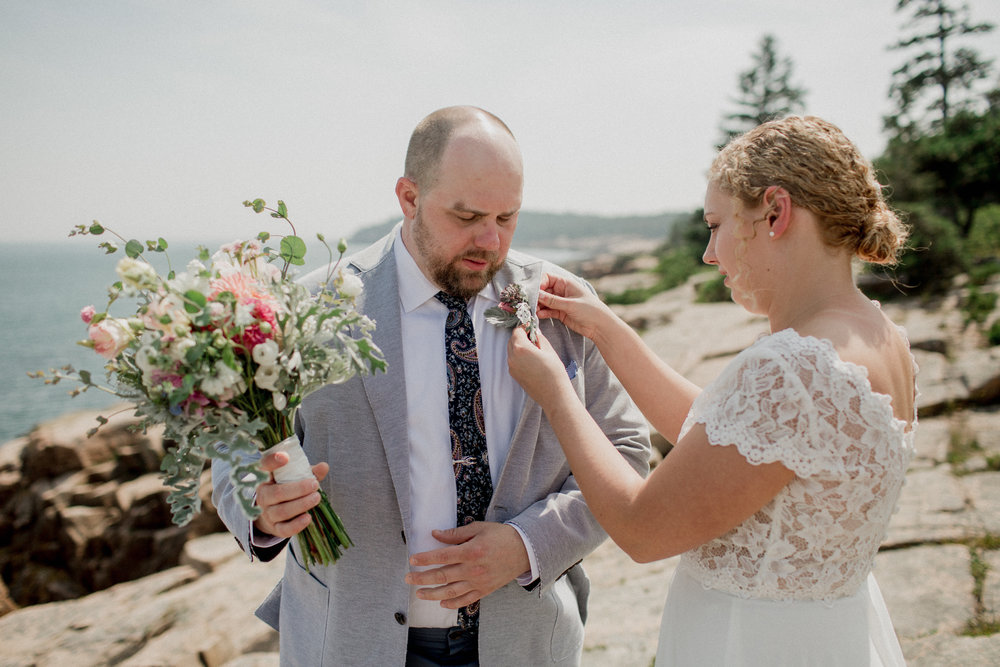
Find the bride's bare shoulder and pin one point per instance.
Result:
(869, 339)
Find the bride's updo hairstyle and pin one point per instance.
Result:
(823, 172)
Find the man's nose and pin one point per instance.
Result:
(488, 236)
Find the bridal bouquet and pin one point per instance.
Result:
(222, 354)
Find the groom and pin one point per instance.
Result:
(468, 527)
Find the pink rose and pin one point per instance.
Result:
(110, 336)
(87, 314)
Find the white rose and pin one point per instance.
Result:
(279, 400)
(136, 274)
(349, 285)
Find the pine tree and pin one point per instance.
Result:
(766, 92)
(924, 88)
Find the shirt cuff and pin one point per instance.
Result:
(532, 574)
(264, 540)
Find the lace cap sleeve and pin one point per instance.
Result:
(765, 403)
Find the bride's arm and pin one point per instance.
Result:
(662, 394)
(697, 493)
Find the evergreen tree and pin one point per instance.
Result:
(937, 70)
(766, 92)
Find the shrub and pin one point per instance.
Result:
(713, 290)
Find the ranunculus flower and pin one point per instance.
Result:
(87, 314)
(110, 336)
(266, 377)
(266, 353)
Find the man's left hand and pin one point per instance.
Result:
(484, 557)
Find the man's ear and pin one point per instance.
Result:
(778, 204)
(407, 193)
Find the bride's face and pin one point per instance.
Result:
(732, 244)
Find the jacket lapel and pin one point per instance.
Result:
(526, 432)
(387, 391)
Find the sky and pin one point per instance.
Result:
(159, 118)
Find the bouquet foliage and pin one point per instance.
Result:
(222, 354)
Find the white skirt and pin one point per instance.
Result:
(708, 627)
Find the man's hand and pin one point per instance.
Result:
(485, 556)
(285, 507)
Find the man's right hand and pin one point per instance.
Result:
(285, 507)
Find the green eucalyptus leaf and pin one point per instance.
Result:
(96, 228)
(293, 250)
(194, 301)
(258, 205)
(282, 209)
(133, 248)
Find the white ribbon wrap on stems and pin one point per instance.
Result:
(298, 465)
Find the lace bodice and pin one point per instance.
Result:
(791, 399)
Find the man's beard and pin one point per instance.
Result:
(449, 274)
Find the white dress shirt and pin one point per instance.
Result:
(432, 479)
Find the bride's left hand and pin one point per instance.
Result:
(536, 368)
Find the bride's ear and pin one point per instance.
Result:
(778, 204)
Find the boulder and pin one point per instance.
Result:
(79, 514)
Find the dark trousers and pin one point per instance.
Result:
(437, 647)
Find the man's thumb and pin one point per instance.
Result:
(456, 535)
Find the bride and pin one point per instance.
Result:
(787, 467)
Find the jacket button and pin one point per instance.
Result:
(400, 618)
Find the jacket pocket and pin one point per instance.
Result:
(567, 634)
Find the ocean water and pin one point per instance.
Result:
(44, 286)
(42, 289)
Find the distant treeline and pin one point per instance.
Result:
(538, 229)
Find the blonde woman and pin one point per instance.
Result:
(787, 467)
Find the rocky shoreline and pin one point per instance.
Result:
(82, 515)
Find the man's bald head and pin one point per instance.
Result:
(431, 136)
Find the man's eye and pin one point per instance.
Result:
(712, 228)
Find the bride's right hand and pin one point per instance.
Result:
(571, 303)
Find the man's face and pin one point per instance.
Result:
(462, 226)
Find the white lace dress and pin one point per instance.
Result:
(792, 585)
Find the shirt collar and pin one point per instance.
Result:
(414, 287)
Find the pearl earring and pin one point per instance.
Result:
(771, 234)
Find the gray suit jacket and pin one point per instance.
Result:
(354, 612)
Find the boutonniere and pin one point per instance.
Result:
(514, 311)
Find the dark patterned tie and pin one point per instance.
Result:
(467, 424)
